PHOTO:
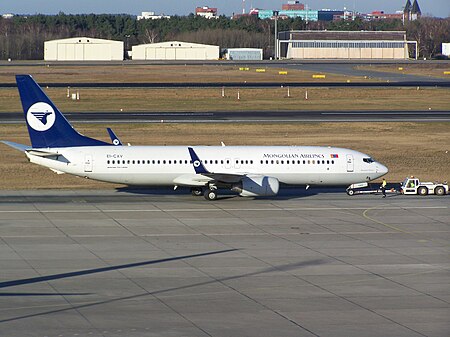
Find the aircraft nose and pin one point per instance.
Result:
(382, 170)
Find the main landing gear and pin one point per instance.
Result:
(210, 193)
(196, 191)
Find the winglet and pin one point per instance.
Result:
(115, 140)
(196, 162)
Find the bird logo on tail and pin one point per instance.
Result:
(41, 116)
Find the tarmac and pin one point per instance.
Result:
(163, 263)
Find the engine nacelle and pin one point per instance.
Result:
(257, 186)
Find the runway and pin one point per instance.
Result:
(163, 263)
(427, 83)
(244, 116)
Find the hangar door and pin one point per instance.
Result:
(70, 52)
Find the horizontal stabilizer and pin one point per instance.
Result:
(17, 146)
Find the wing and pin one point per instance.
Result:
(202, 176)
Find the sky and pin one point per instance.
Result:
(439, 8)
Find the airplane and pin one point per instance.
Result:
(250, 171)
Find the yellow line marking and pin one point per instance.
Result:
(383, 223)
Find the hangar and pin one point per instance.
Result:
(175, 50)
(83, 49)
(343, 45)
(244, 54)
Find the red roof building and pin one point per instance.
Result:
(206, 12)
(293, 6)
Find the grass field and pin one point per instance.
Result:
(190, 99)
(164, 73)
(421, 149)
(421, 69)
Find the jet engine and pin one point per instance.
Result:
(257, 186)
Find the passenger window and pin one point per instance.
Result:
(107, 162)
(164, 161)
(221, 161)
(332, 162)
(304, 162)
(271, 161)
(251, 162)
(309, 162)
(328, 162)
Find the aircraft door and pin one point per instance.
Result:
(88, 163)
(350, 163)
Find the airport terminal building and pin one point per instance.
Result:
(343, 45)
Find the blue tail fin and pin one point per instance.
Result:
(47, 126)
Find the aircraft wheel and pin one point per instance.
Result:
(422, 190)
(196, 191)
(439, 190)
(210, 195)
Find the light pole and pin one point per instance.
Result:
(275, 13)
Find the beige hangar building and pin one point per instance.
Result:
(83, 49)
(343, 45)
(175, 50)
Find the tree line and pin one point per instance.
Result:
(22, 37)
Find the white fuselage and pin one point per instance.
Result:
(171, 165)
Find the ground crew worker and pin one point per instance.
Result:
(383, 187)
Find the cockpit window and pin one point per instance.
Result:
(368, 160)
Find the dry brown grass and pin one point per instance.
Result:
(162, 73)
(406, 148)
(428, 70)
(190, 99)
